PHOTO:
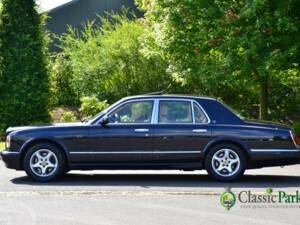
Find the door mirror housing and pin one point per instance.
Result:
(104, 120)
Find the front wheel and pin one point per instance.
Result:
(225, 162)
(44, 162)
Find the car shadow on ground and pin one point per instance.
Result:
(164, 180)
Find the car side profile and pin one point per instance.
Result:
(153, 132)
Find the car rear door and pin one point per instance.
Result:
(181, 131)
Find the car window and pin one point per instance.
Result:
(175, 111)
(199, 115)
(133, 112)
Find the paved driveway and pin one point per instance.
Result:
(141, 198)
(287, 178)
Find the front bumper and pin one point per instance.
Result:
(11, 159)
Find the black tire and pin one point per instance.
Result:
(220, 175)
(59, 156)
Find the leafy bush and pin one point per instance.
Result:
(91, 105)
(296, 127)
(63, 89)
(107, 61)
(67, 117)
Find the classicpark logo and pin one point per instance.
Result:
(247, 199)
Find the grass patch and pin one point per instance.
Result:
(2, 145)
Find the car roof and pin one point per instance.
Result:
(168, 96)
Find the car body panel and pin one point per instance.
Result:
(119, 142)
(179, 142)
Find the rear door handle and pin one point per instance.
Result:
(199, 130)
(141, 130)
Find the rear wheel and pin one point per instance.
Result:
(44, 162)
(225, 162)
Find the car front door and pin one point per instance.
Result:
(181, 131)
(126, 138)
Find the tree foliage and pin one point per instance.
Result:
(91, 105)
(64, 91)
(107, 61)
(67, 117)
(24, 86)
(245, 52)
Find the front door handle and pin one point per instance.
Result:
(141, 130)
(199, 130)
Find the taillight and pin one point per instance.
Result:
(295, 139)
(8, 141)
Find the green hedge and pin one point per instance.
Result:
(24, 78)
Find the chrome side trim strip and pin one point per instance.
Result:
(9, 153)
(146, 152)
(275, 150)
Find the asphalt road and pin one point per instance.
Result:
(142, 198)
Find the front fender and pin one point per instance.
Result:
(43, 139)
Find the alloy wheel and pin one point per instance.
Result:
(43, 162)
(225, 162)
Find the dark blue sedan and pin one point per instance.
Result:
(153, 132)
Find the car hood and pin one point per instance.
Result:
(264, 123)
(12, 129)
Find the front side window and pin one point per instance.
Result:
(199, 115)
(133, 112)
(173, 111)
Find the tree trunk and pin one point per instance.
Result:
(263, 110)
(263, 100)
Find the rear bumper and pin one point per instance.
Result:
(274, 157)
(11, 159)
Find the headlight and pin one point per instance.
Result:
(8, 141)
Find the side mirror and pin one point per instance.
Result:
(104, 120)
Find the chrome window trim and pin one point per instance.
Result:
(192, 108)
(193, 112)
(174, 99)
(275, 150)
(155, 110)
(200, 106)
(139, 152)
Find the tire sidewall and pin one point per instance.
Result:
(61, 167)
(237, 150)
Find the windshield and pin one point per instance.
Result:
(94, 118)
(88, 120)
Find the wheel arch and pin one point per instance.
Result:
(231, 140)
(31, 142)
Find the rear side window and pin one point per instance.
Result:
(171, 111)
(200, 117)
